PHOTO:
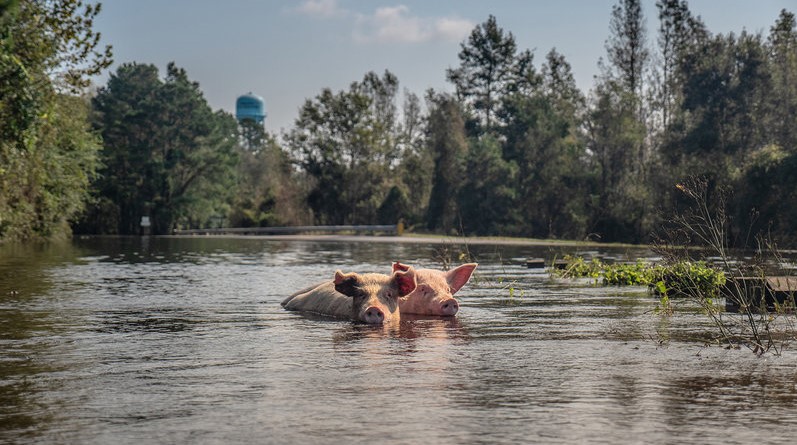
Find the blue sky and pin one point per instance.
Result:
(288, 51)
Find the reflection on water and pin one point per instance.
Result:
(183, 340)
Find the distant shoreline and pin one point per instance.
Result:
(419, 239)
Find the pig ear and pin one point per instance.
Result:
(346, 283)
(405, 282)
(457, 277)
(401, 267)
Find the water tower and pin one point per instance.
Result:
(250, 106)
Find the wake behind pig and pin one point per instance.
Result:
(370, 297)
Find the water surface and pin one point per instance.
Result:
(183, 340)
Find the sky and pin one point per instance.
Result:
(289, 51)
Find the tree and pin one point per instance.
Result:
(617, 131)
(166, 154)
(53, 41)
(766, 183)
(679, 32)
(765, 186)
(269, 191)
(449, 147)
(48, 51)
(731, 120)
(416, 167)
(349, 144)
(559, 86)
(627, 45)
(628, 56)
(719, 123)
(619, 204)
(488, 196)
(490, 68)
(543, 137)
(782, 54)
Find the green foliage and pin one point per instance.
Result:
(415, 168)
(769, 183)
(488, 197)
(543, 139)
(765, 182)
(348, 143)
(577, 267)
(268, 191)
(47, 183)
(615, 138)
(48, 154)
(166, 154)
(686, 278)
(637, 274)
(490, 69)
(449, 147)
(782, 100)
(665, 305)
(53, 42)
(678, 29)
(680, 279)
(722, 94)
(395, 206)
(627, 45)
(617, 131)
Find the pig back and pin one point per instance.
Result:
(321, 299)
(300, 292)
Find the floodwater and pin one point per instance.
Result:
(183, 340)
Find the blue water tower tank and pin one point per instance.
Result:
(250, 106)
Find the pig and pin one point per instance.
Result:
(434, 292)
(370, 297)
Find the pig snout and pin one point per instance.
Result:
(449, 307)
(374, 315)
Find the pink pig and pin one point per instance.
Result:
(434, 293)
(371, 297)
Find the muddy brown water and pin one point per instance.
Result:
(183, 340)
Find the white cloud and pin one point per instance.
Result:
(321, 8)
(395, 24)
(453, 28)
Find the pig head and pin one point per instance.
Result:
(371, 298)
(434, 292)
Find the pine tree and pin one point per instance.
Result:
(490, 69)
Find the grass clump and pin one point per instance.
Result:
(578, 267)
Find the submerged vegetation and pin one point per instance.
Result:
(679, 279)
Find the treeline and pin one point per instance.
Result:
(48, 152)
(515, 149)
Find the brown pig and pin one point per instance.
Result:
(434, 293)
(370, 297)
